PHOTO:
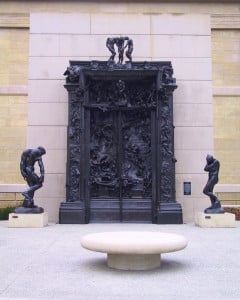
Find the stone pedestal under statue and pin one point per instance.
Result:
(215, 220)
(28, 220)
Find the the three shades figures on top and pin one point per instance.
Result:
(122, 43)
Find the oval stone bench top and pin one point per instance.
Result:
(134, 242)
(133, 250)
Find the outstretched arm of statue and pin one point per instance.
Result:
(23, 166)
(42, 171)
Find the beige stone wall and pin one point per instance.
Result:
(14, 37)
(229, 198)
(226, 57)
(124, 7)
(13, 101)
(13, 123)
(226, 82)
(10, 200)
(226, 137)
(10, 195)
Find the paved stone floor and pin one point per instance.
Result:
(49, 263)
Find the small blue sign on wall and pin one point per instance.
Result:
(187, 188)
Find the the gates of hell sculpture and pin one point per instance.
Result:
(121, 164)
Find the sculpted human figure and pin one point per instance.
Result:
(110, 45)
(120, 45)
(28, 159)
(129, 50)
(212, 167)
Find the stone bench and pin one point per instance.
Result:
(133, 250)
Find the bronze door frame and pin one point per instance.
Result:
(126, 86)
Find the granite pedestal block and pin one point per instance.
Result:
(215, 220)
(28, 220)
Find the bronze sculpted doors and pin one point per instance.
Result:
(118, 145)
(121, 164)
(120, 154)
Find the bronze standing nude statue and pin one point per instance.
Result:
(28, 159)
(212, 167)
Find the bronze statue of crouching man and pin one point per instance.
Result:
(28, 159)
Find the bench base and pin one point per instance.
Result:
(134, 261)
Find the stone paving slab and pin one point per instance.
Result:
(49, 263)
